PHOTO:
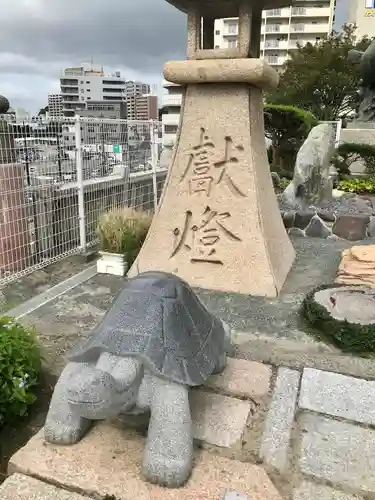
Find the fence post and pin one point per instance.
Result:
(154, 160)
(338, 133)
(80, 186)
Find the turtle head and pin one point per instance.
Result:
(106, 389)
(94, 394)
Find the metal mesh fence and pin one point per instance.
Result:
(57, 177)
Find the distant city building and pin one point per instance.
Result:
(307, 21)
(55, 105)
(144, 107)
(88, 82)
(362, 13)
(171, 107)
(133, 90)
(97, 132)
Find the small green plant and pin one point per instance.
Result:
(20, 368)
(348, 153)
(358, 186)
(123, 231)
(284, 183)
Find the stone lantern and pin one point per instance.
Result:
(218, 225)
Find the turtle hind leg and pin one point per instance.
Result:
(62, 425)
(168, 455)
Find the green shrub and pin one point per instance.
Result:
(358, 186)
(20, 368)
(287, 127)
(284, 183)
(348, 153)
(123, 231)
(350, 337)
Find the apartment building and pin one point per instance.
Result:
(88, 82)
(55, 105)
(284, 28)
(171, 107)
(133, 90)
(144, 107)
(362, 13)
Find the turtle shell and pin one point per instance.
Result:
(157, 317)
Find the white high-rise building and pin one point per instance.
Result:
(89, 83)
(282, 30)
(55, 105)
(362, 13)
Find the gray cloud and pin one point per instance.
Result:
(40, 37)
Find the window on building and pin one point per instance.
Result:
(232, 28)
(170, 129)
(232, 44)
(217, 32)
(217, 46)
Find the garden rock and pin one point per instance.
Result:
(311, 182)
(326, 216)
(302, 219)
(288, 219)
(295, 231)
(371, 228)
(275, 179)
(317, 228)
(351, 227)
(155, 342)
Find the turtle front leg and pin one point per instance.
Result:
(168, 456)
(63, 425)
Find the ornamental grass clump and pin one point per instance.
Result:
(20, 370)
(123, 231)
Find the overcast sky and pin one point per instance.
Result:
(40, 37)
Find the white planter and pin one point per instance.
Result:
(112, 263)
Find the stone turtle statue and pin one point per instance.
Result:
(155, 342)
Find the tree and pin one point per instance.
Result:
(43, 111)
(287, 127)
(320, 79)
(348, 153)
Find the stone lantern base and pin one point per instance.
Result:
(218, 225)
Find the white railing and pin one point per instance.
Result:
(57, 177)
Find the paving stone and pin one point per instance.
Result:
(338, 395)
(278, 427)
(108, 462)
(312, 491)
(218, 420)
(243, 378)
(338, 452)
(20, 487)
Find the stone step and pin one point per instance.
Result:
(20, 487)
(108, 462)
(219, 416)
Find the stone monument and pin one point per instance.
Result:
(155, 342)
(311, 183)
(218, 225)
